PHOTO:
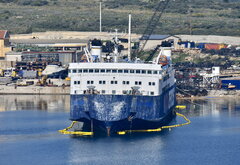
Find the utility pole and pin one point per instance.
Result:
(190, 16)
(100, 23)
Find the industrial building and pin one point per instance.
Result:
(53, 44)
(13, 56)
(64, 57)
(155, 40)
(4, 43)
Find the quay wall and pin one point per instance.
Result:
(40, 90)
(216, 94)
(222, 93)
(34, 90)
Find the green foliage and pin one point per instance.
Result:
(214, 17)
(117, 4)
(6, 1)
(21, 48)
(4, 15)
(33, 2)
(180, 57)
(29, 30)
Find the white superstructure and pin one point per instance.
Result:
(120, 78)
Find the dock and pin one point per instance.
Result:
(33, 90)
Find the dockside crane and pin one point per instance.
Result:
(159, 10)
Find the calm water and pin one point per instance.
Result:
(29, 124)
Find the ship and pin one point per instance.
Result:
(111, 93)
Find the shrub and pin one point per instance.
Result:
(32, 2)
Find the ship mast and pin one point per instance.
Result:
(129, 37)
(115, 52)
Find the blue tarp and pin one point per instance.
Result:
(225, 84)
(201, 45)
(187, 44)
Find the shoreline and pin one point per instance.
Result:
(215, 94)
(206, 97)
(33, 90)
(46, 90)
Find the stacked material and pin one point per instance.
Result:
(29, 74)
(5, 80)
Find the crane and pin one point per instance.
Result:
(160, 8)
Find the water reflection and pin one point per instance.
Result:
(211, 106)
(117, 150)
(35, 102)
(200, 107)
(31, 137)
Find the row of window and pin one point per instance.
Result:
(138, 82)
(116, 82)
(102, 82)
(114, 92)
(76, 82)
(114, 71)
(151, 83)
(90, 82)
(126, 82)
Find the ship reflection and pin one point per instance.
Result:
(97, 150)
(210, 106)
(50, 103)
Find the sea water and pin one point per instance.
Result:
(29, 136)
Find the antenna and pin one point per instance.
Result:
(100, 23)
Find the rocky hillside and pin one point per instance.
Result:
(216, 17)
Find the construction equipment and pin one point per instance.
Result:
(42, 81)
(1, 73)
(88, 55)
(150, 57)
(150, 28)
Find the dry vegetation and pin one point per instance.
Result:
(220, 17)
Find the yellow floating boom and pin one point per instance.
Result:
(158, 129)
(80, 133)
(181, 106)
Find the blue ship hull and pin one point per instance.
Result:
(113, 113)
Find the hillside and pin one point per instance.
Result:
(215, 17)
